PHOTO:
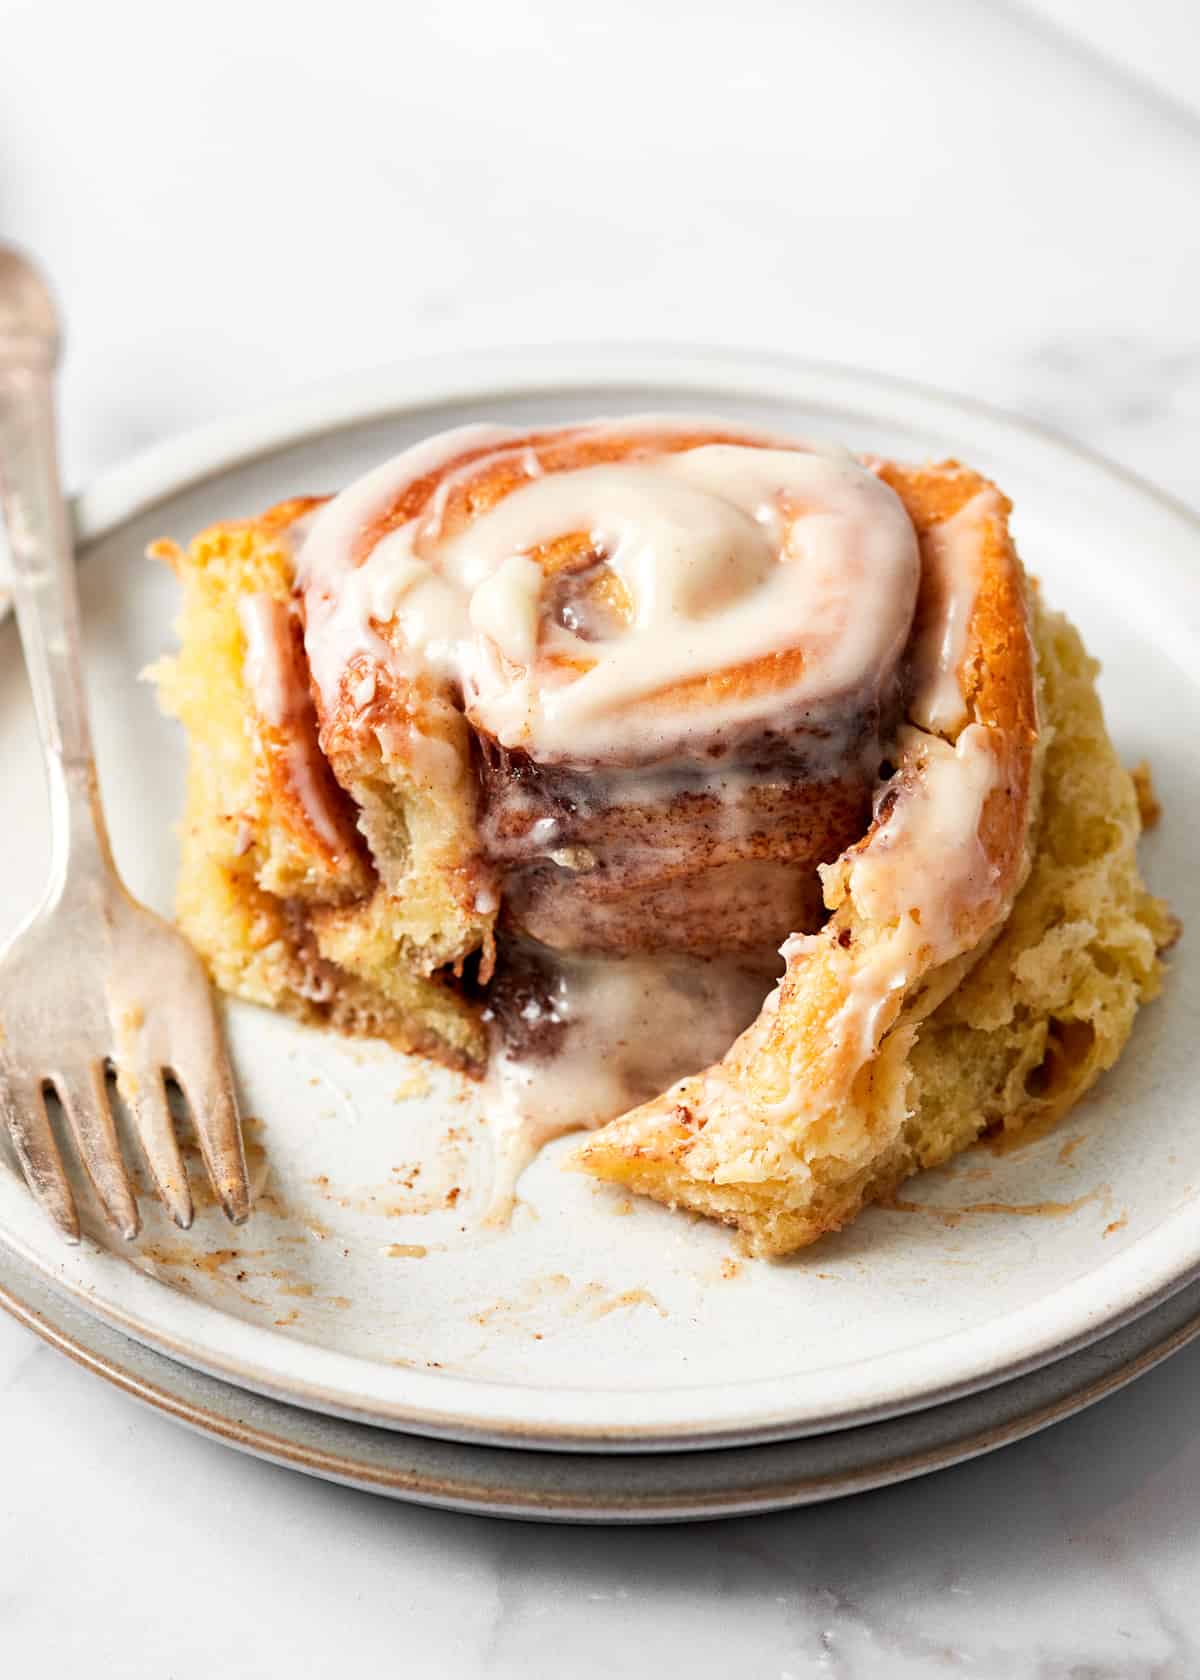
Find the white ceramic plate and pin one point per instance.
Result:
(647, 1487)
(362, 1288)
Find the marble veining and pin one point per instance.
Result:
(1070, 1556)
(947, 192)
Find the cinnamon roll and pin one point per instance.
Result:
(733, 796)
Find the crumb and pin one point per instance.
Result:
(1149, 808)
(1116, 1225)
(730, 1267)
(416, 1085)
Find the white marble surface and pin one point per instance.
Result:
(238, 197)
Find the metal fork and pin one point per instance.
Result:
(93, 980)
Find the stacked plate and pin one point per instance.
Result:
(597, 1358)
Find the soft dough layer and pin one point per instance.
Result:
(1051, 1006)
(280, 915)
(1032, 1025)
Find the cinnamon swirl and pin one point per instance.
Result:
(690, 783)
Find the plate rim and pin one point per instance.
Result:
(593, 1487)
(359, 396)
(168, 469)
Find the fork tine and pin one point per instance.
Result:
(23, 1112)
(84, 1096)
(145, 1095)
(202, 1069)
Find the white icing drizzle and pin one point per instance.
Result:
(504, 608)
(718, 575)
(270, 676)
(952, 567)
(923, 877)
(729, 554)
(925, 883)
(309, 784)
(343, 602)
(280, 695)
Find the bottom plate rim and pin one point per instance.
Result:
(525, 1484)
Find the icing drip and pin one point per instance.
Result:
(275, 680)
(274, 673)
(592, 1037)
(929, 911)
(950, 586)
(924, 881)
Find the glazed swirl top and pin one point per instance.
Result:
(625, 591)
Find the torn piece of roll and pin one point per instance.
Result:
(533, 751)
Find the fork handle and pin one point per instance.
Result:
(47, 601)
